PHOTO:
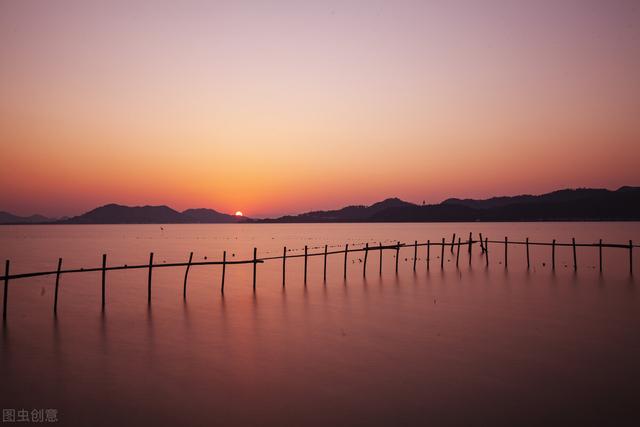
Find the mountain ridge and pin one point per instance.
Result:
(591, 204)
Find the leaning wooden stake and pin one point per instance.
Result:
(346, 251)
(284, 265)
(527, 244)
(575, 259)
(366, 254)
(553, 254)
(255, 263)
(224, 268)
(104, 273)
(305, 264)
(186, 276)
(600, 254)
(6, 289)
(325, 263)
(442, 255)
(486, 251)
(453, 241)
(458, 253)
(415, 254)
(397, 255)
(506, 247)
(631, 257)
(149, 282)
(481, 245)
(380, 258)
(55, 297)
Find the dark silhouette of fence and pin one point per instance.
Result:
(483, 243)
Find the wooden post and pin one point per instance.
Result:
(415, 254)
(224, 270)
(380, 258)
(458, 253)
(149, 283)
(255, 255)
(366, 254)
(527, 243)
(481, 246)
(631, 257)
(575, 259)
(553, 254)
(325, 263)
(442, 255)
(397, 255)
(186, 275)
(104, 273)
(6, 289)
(305, 263)
(486, 251)
(453, 241)
(346, 251)
(284, 264)
(55, 297)
(428, 253)
(600, 254)
(470, 243)
(506, 247)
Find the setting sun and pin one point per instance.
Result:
(238, 213)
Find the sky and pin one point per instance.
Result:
(274, 107)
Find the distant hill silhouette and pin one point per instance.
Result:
(118, 214)
(7, 218)
(562, 205)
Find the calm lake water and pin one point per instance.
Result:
(466, 346)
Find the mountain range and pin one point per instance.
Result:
(622, 204)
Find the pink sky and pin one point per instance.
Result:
(280, 107)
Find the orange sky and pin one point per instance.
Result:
(280, 107)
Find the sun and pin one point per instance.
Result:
(238, 213)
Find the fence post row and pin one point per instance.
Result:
(483, 242)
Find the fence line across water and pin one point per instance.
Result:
(483, 243)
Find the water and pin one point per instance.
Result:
(473, 345)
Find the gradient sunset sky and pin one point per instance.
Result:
(279, 107)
